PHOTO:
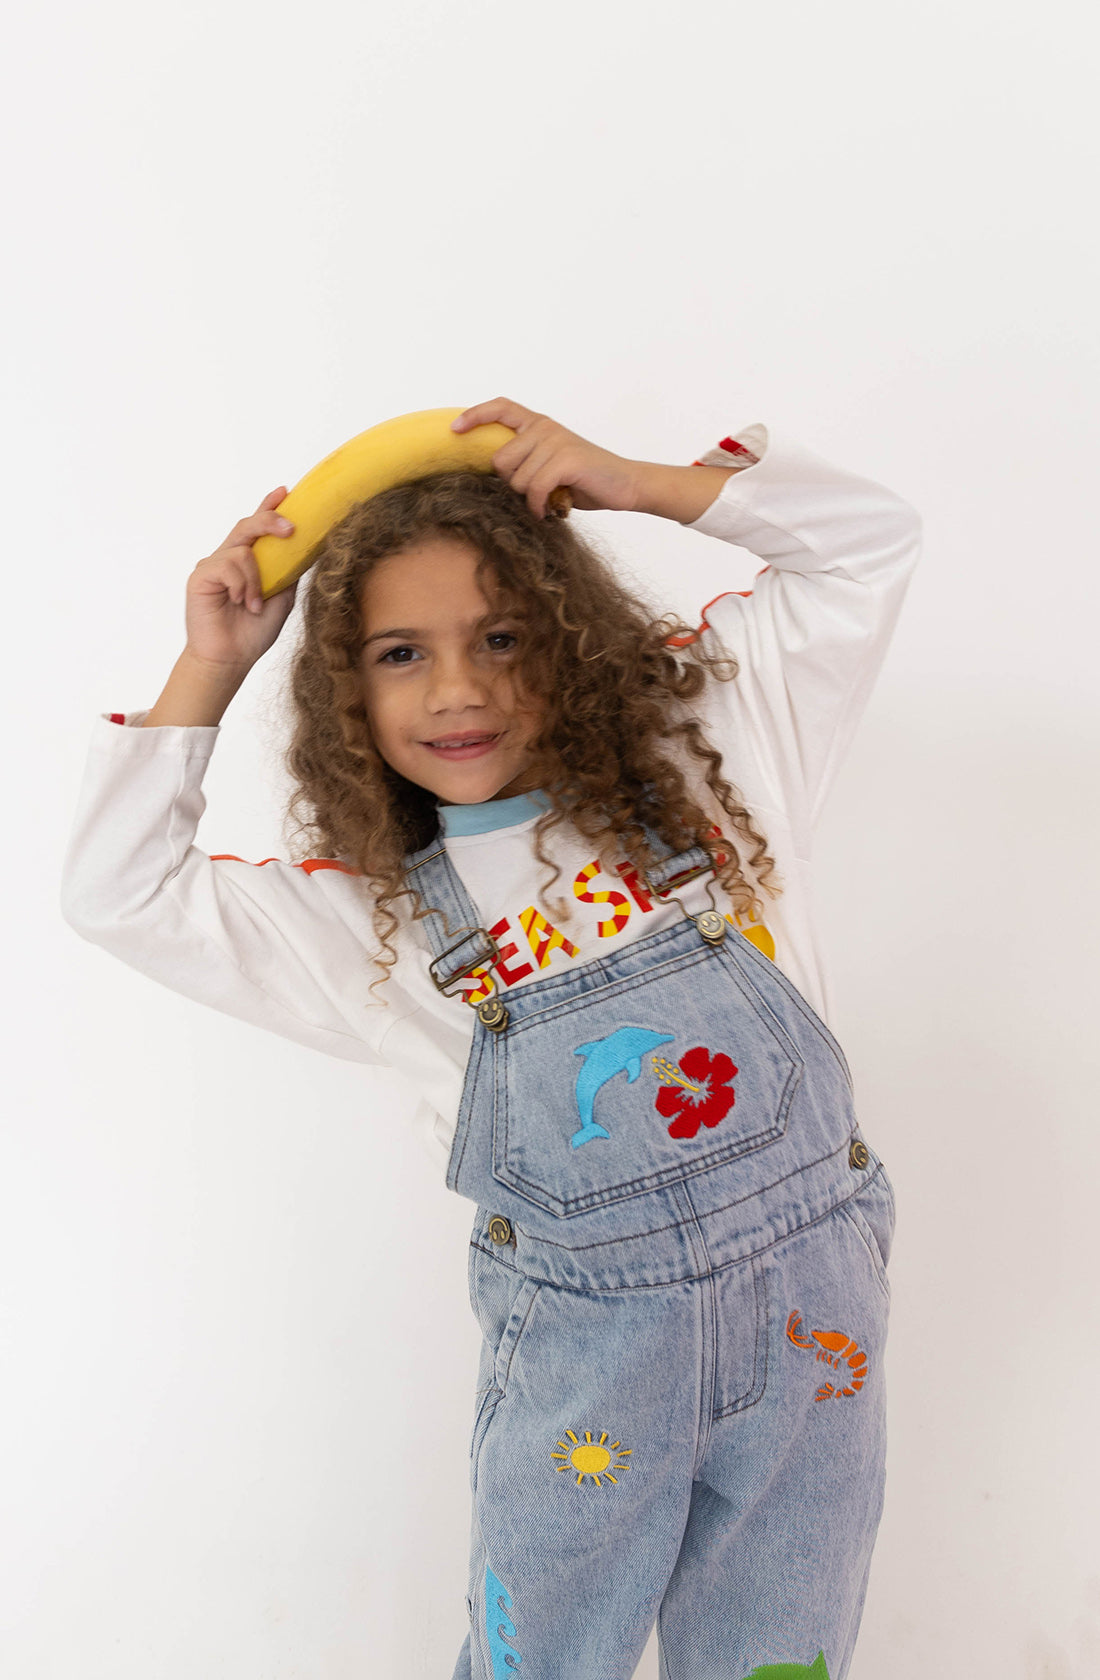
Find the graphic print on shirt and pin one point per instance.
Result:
(619, 1052)
(528, 934)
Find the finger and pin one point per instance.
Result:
(260, 524)
(543, 487)
(237, 578)
(236, 571)
(275, 523)
(501, 410)
(527, 450)
(537, 457)
(515, 455)
(252, 595)
(264, 519)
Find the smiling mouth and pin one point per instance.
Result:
(463, 746)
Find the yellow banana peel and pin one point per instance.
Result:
(395, 452)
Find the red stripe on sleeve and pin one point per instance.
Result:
(683, 641)
(308, 864)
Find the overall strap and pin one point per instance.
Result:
(675, 870)
(460, 944)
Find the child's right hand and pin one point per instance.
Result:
(223, 626)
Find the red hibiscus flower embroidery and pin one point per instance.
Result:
(698, 1092)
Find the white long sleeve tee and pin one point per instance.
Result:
(290, 947)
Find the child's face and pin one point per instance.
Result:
(440, 679)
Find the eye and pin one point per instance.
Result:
(505, 636)
(388, 658)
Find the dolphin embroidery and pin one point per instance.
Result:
(620, 1051)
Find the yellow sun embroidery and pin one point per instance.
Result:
(591, 1458)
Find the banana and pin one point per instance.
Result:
(394, 452)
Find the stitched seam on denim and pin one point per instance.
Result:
(710, 1213)
(592, 1199)
(535, 1286)
(626, 983)
(666, 1176)
(761, 1338)
(631, 982)
(689, 1225)
(877, 1262)
(883, 1185)
(765, 964)
(632, 952)
(706, 1402)
(481, 1428)
(568, 979)
(668, 1283)
(475, 1294)
(462, 1126)
(667, 1179)
(493, 1254)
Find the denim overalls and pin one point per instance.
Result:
(679, 1268)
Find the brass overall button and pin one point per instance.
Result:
(500, 1229)
(492, 1014)
(712, 926)
(858, 1154)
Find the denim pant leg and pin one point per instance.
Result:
(581, 1471)
(775, 1558)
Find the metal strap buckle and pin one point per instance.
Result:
(711, 923)
(688, 875)
(489, 952)
(691, 873)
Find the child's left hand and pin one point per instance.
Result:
(544, 455)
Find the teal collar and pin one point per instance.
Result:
(491, 814)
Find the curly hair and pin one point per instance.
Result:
(609, 748)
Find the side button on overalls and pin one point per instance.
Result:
(678, 1264)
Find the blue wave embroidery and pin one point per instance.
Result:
(506, 1659)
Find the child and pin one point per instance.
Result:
(560, 880)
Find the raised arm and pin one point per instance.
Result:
(288, 947)
(810, 637)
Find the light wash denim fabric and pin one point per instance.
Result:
(681, 1411)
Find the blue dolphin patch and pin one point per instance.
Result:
(620, 1052)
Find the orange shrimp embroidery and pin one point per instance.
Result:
(835, 1348)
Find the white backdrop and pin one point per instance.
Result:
(238, 1358)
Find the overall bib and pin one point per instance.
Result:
(678, 1263)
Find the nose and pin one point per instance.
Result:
(456, 684)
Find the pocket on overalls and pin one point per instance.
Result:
(502, 1299)
(638, 1083)
(872, 1212)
